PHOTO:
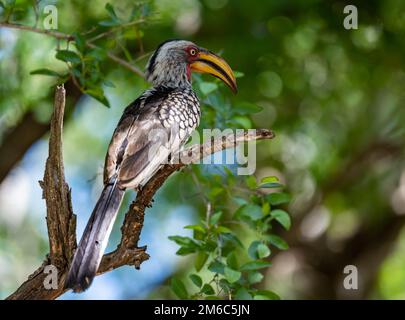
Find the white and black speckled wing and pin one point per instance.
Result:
(150, 130)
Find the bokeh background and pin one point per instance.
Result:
(335, 98)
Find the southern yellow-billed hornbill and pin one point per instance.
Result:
(134, 154)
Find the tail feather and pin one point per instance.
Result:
(91, 248)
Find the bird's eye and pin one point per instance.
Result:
(193, 52)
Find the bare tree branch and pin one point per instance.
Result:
(61, 221)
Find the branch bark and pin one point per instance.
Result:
(61, 221)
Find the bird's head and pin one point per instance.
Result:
(174, 60)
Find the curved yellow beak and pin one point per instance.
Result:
(209, 62)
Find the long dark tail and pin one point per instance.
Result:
(94, 240)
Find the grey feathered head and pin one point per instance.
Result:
(172, 62)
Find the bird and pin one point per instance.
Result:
(151, 129)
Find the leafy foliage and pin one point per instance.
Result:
(227, 266)
(85, 60)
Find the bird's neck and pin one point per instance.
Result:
(171, 76)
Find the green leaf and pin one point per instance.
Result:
(263, 251)
(178, 288)
(272, 185)
(243, 294)
(252, 251)
(215, 191)
(246, 108)
(277, 241)
(240, 201)
(68, 56)
(196, 279)
(232, 260)
(98, 94)
(259, 250)
(183, 251)
(208, 87)
(188, 245)
(80, 42)
(199, 231)
(255, 265)
(251, 182)
(232, 275)
(222, 229)
(182, 241)
(255, 277)
(215, 217)
(209, 245)
(265, 295)
(266, 208)
(282, 217)
(111, 11)
(225, 285)
(212, 298)
(252, 211)
(269, 179)
(233, 239)
(200, 260)
(270, 182)
(277, 198)
(46, 72)
(207, 289)
(196, 227)
(216, 267)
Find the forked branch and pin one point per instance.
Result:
(61, 221)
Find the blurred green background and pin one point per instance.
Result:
(334, 97)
